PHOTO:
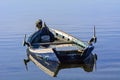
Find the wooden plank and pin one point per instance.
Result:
(47, 50)
(53, 43)
(70, 37)
(61, 45)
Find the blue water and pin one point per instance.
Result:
(77, 17)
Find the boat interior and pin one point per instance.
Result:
(49, 38)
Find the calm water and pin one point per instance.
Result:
(77, 17)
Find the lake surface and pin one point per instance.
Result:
(76, 17)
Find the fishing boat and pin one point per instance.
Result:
(52, 50)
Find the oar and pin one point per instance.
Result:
(24, 41)
(94, 38)
(95, 59)
(25, 62)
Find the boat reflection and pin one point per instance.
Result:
(52, 67)
(87, 65)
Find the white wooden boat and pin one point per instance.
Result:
(52, 50)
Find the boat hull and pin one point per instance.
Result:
(50, 59)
